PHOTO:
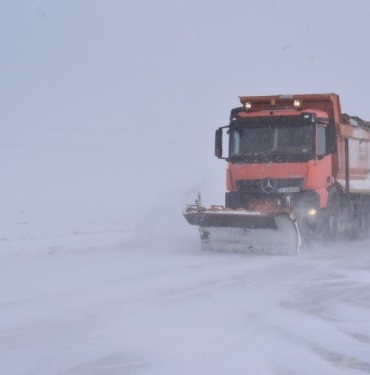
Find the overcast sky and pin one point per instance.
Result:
(116, 100)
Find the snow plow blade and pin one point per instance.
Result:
(243, 230)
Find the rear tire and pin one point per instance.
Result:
(333, 217)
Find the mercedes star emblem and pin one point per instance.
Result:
(268, 185)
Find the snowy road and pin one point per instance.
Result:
(107, 303)
(108, 115)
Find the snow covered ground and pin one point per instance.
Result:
(108, 112)
(117, 301)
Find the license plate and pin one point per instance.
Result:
(288, 190)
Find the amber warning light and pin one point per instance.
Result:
(248, 106)
(297, 104)
(283, 102)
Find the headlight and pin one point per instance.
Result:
(312, 212)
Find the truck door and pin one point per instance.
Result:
(320, 174)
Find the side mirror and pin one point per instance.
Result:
(218, 143)
(321, 142)
(331, 139)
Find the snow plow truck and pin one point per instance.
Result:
(298, 169)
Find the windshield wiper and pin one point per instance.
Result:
(261, 155)
(280, 152)
(237, 157)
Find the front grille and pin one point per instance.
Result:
(255, 186)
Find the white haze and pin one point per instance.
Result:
(108, 111)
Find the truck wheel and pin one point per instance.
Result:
(333, 217)
(357, 222)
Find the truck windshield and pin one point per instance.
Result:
(275, 138)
